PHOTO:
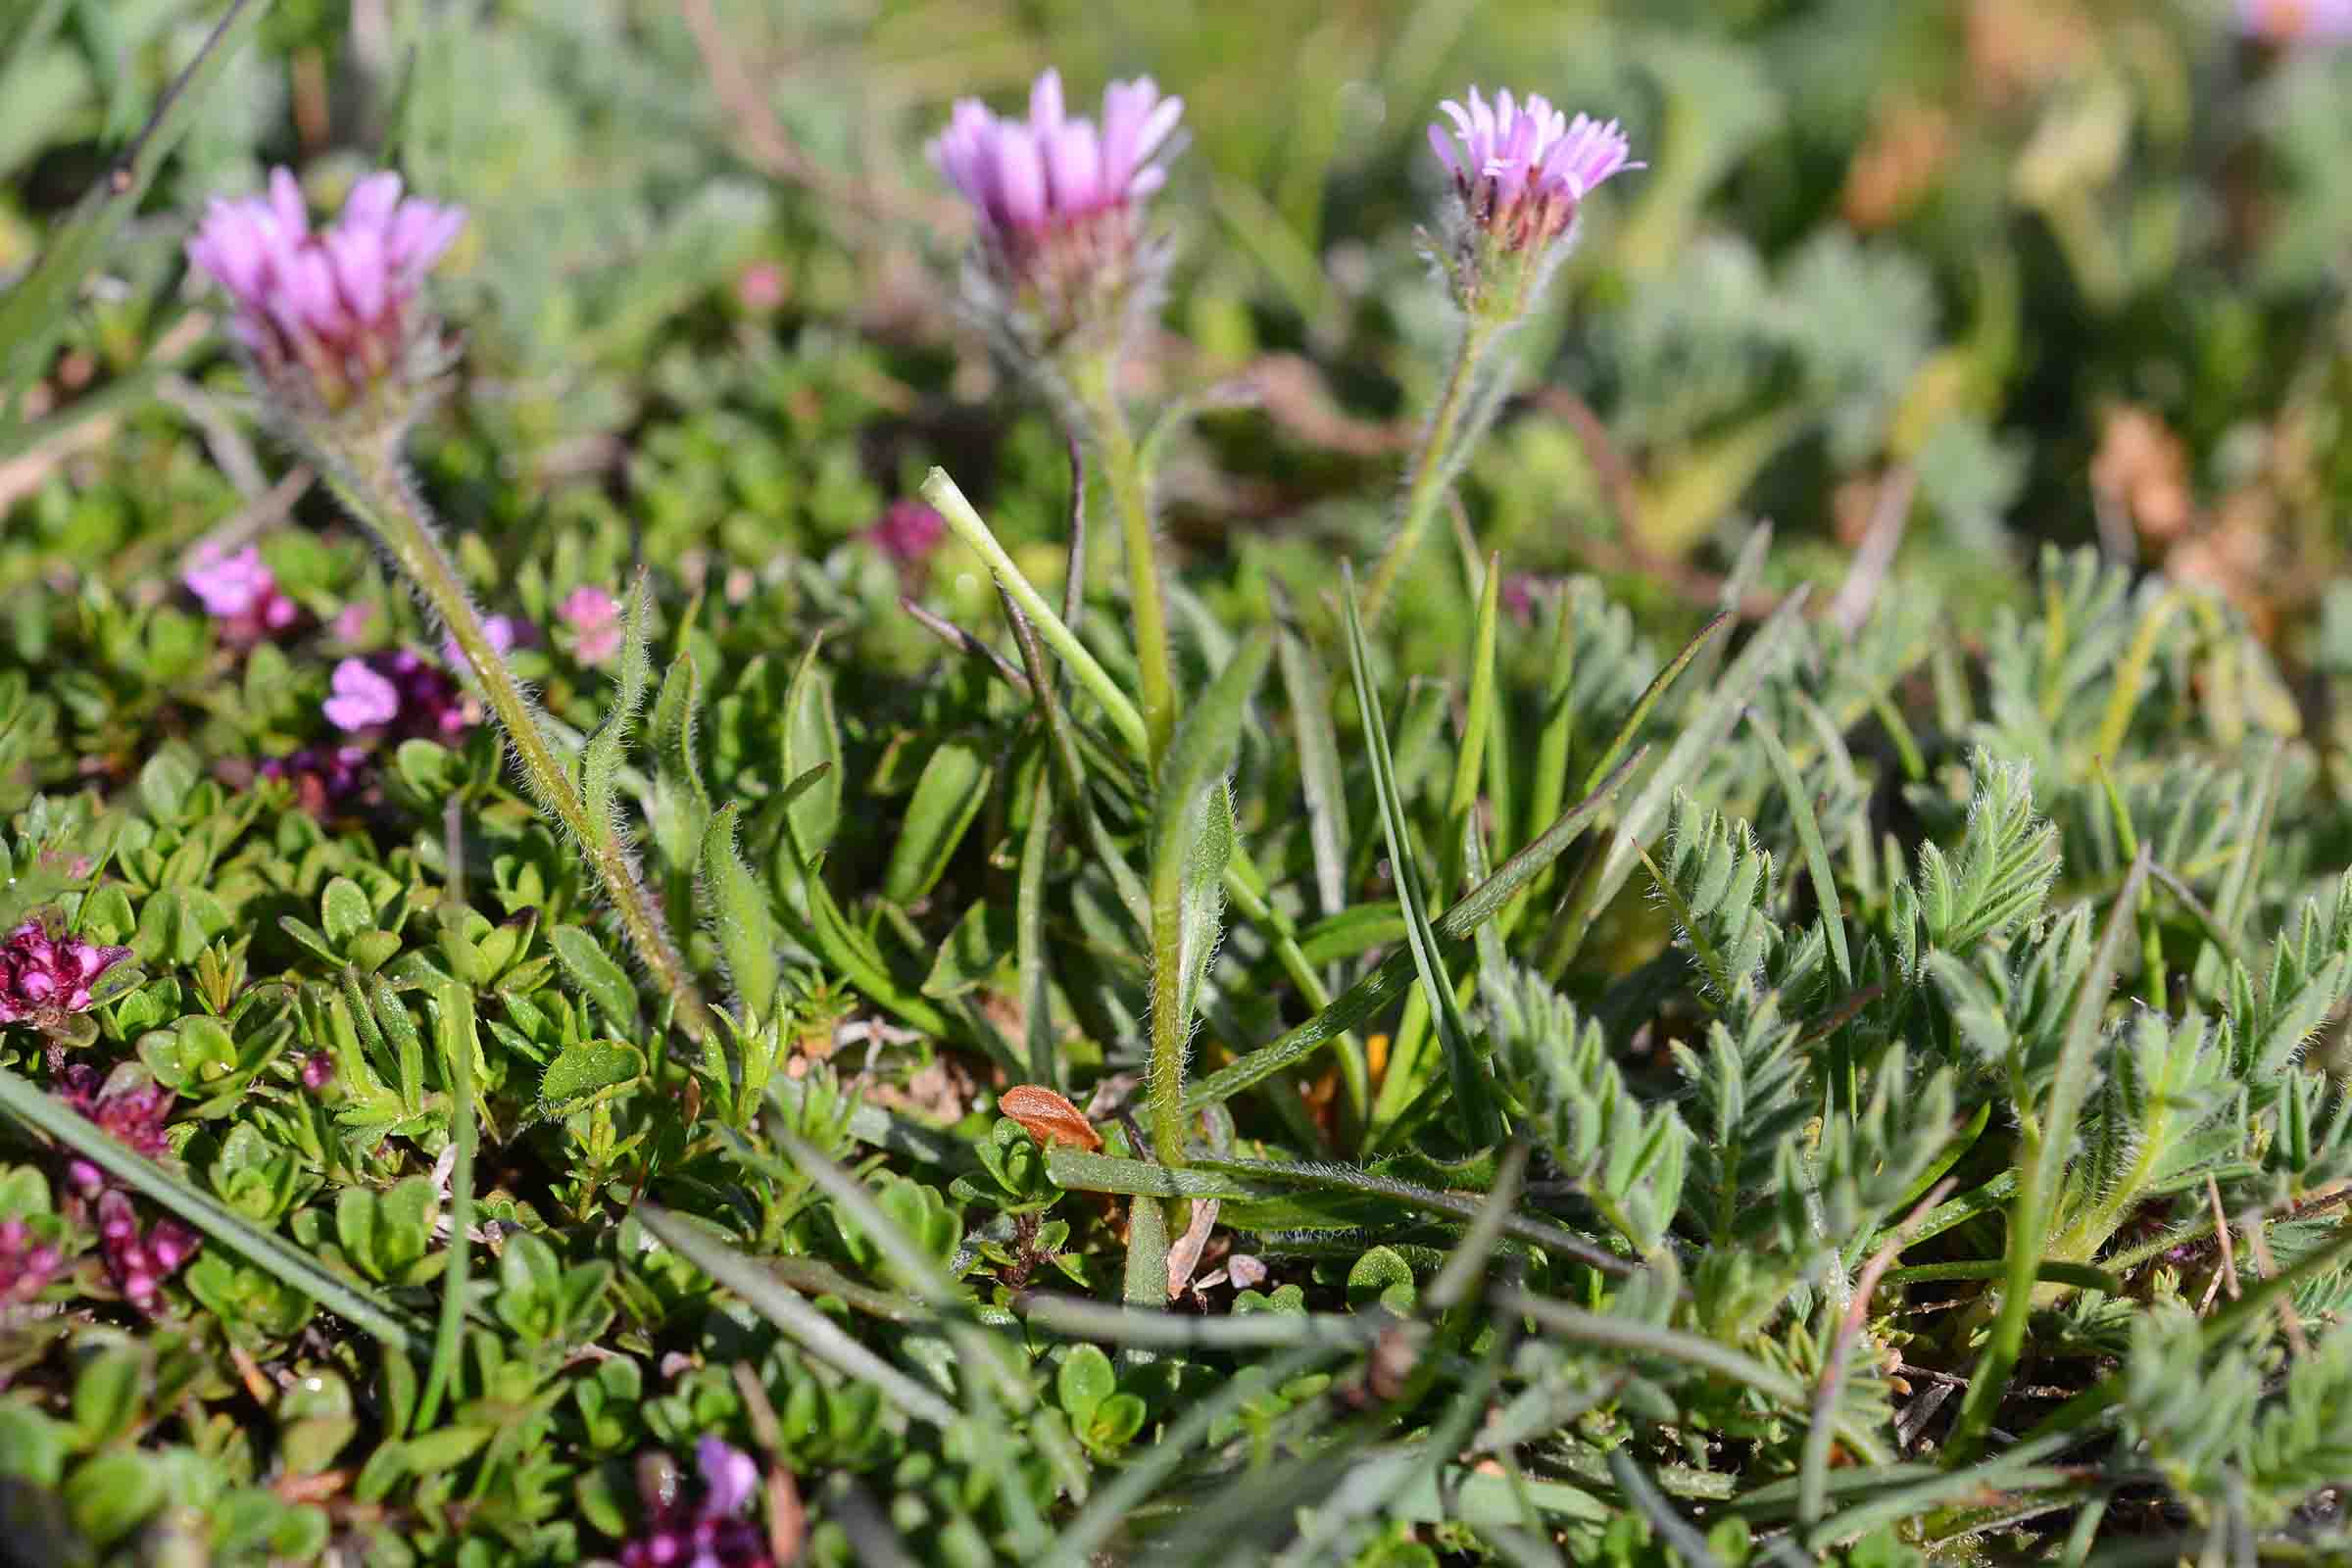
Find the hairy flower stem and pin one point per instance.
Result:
(1442, 446)
(1164, 1067)
(367, 478)
(1123, 472)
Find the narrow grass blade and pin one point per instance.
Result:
(1653, 695)
(2041, 1164)
(1673, 1529)
(1699, 739)
(1319, 778)
(791, 1314)
(1808, 837)
(52, 1117)
(33, 314)
(1082, 1320)
(1380, 990)
(1468, 1265)
(1673, 1345)
(1482, 1122)
(455, 1026)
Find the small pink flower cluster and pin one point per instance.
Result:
(333, 303)
(138, 1262)
(594, 616)
(128, 1104)
(27, 1265)
(399, 692)
(907, 532)
(43, 976)
(240, 593)
(712, 1534)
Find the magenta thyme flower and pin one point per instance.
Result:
(27, 1263)
(328, 313)
(44, 977)
(397, 692)
(139, 1264)
(713, 1533)
(1061, 251)
(240, 592)
(128, 1104)
(907, 532)
(1521, 173)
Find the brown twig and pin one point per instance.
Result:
(1865, 574)
(2221, 1230)
(768, 147)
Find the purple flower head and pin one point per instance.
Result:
(140, 1263)
(240, 592)
(44, 977)
(128, 1104)
(907, 532)
(2296, 21)
(317, 1071)
(1521, 171)
(594, 616)
(713, 1533)
(1058, 201)
(397, 692)
(330, 311)
(27, 1263)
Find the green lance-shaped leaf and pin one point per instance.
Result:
(593, 970)
(947, 798)
(736, 905)
(813, 740)
(609, 744)
(1191, 839)
(1482, 1123)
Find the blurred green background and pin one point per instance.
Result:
(2008, 270)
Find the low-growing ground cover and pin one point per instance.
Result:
(764, 820)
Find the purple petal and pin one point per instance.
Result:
(730, 1476)
(371, 202)
(1045, 103)
(1444, 148)
(286, 204)
(1021, 175)
(1075, 165)
(360, 272)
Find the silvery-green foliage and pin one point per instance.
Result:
(1627, 1158)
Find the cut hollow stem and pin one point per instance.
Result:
(372, 487)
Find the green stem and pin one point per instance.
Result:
(1433, 464)
(1123, 472)
(373, 488)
